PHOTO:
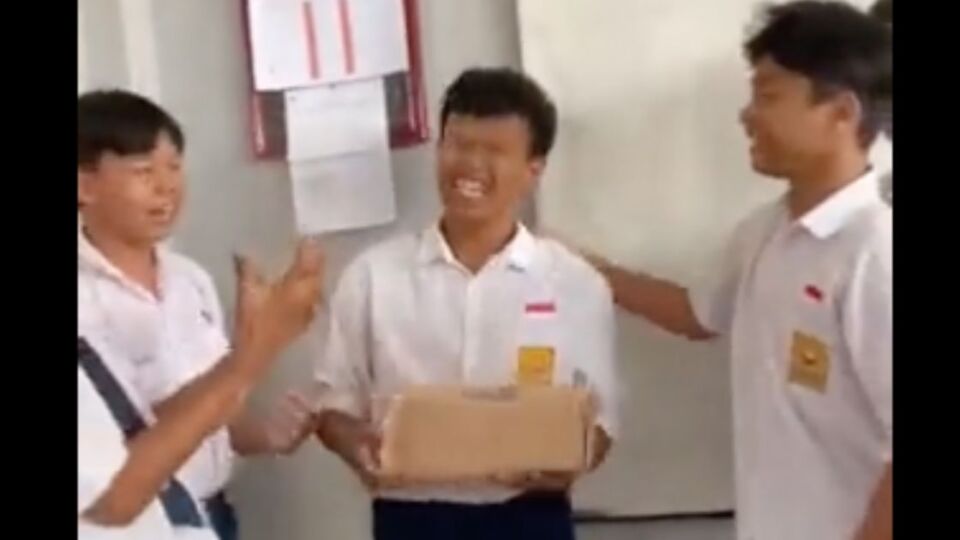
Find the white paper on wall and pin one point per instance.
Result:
(349, 191)
(336, 119)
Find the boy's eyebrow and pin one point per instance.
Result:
(137, 155)
(763, 81)
(137, 161)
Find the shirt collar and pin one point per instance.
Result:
(89, 257)
(92, 259)
(832, 214)
(518, 253)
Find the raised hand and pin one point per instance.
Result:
(271, 315)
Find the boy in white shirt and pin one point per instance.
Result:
(468, 301)
(157, 309)
(127, 485)
(804, 291)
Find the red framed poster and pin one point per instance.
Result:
(404, 94)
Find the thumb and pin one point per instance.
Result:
(367, 458)
(249, 280)
(371, 450)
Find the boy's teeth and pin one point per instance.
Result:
(470, 188)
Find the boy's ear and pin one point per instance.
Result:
(535, 171)
(848, 110)
(537, 165)
(85, 191)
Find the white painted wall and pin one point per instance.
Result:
(651, 169)
(140, 47)
(81, 52)
(235, 202)
(100, 44)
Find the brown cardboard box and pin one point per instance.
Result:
(444, 433)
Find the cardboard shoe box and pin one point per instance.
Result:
(452, 434)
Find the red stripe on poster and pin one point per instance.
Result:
(346, 31)
(313, 59)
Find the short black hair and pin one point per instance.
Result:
(486, 92)
(882, 10)
(120, 122)
(838, 48)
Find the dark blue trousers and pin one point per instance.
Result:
(223, 519)
(532, 516)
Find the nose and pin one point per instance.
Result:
(167, 182)
(746, 115)
(474, 159)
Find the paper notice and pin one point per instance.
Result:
(343, 192)
(297, 43)
(332, 120)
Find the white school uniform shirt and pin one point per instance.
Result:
(794, 296)
(407, 312)
(161, 344)
(101, 453)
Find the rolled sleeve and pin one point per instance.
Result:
(605, 374)
(597, 354)
(342, 374)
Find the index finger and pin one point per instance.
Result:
(309, 257)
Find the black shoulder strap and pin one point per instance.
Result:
(176, 500)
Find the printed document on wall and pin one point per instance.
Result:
(336, 119)
(349, 191)
(297, 43)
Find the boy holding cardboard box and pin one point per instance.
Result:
(474, 301)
